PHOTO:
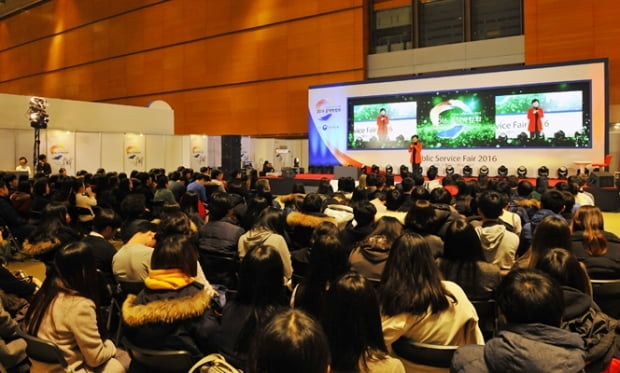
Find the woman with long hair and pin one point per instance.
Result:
(422, 219)
(582, 315)
(328, 260)
(172, 312)
(417, 304)
(352, 323)
(598, 249)
(268, 230)
(194, 208)
(261, 293)
(369, 256)
(52, 233)
(552, 231)
(63, 311)
(463, 262)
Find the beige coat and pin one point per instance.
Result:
(71, 323)
(456, 326)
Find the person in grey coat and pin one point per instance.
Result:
(533, 305)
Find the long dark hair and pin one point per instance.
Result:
(411, 281)
(421, 217)
(53, 220)
(261, 287)
(328, 260)
(564, 267)
(270, 219)
(552, 232)
(353, 323)
(589, 219)
(176, 251)
(74, 272)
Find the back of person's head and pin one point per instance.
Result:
(491, 204)
(418, 179)
(371, 180)
(389, 227)
(524, 188)
(431, 173)
(346, 184)
(176, 251)
(133, 206)
(328, 257)
(589, 220)
(291, 342)
(40, 186)
(364, 213)
(173, 221)
(299, 188)
(162, 182)
(552, 231)
(569, 203)
(353, 323)
(270, 219)
(54, 213)
(263, 186)
(393, 199)
(136, 226)
(407, 184)
(261, 276)
(219, 205)
(563, 266)
(189, 202)
(527, 296)
(552, 200)
(313, 203)
(215, 174)
(542, 184)
(106, 218)
(325, 187)
(420, 192)
(421, 217)
(462, 243)
(411, 281)
(440, 195)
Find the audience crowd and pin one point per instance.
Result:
(329, 280)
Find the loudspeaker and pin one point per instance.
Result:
(288, 172)
(601, 180)
(231, 153)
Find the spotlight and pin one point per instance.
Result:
(449, 170)
(388, 169)
(375, 169)
(562, 172)
(484, 171)
(467, 171)
(502, 171)
(522, 172)
(543, 171)
(404, 170)
(296, 162)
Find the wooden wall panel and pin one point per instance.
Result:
(568, 30)
(230, 67)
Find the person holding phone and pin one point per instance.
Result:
(415, 151)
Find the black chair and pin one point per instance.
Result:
(110, 309)
(131, 287)
(423, 353)
(606, 294)
(43, 351)
(488, 317)
(159, 361)
(220, 267)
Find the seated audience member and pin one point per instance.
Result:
(421, 219)
(328, 260)
(432, 181)
(13, 349)
(340, 209)
(346, 185)
(198, 186)
(363, 223)
(162, 193)
(551, 203)
(10, 217)
(64, 311)
(393, 200)
(532, 341)
(551, 232)
(85, 200)
(176, 185)
(220, 234)
(406, 201)
(597, 248)
(52, 233)
(581, 198)
(416, 303)
(300, 224)
(260, 295)
(23, 166)
(105, 224)
(172, 311)
(463, 262)
(569, 206)
(132, 261)
(291, 342)
(445, 213)
(499, 244)
(193, 208)
(511, 219)
(352, 323)
(369, 255)
(21, 199)
(582, 315)
(256, 205)
(268, 230)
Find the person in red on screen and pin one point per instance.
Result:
(382, 125)
(534, 116)
(415, 149)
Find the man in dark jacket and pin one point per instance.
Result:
(10, 217)
(532, 304)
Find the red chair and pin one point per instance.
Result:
(605, 164)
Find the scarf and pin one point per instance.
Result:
(167, 279)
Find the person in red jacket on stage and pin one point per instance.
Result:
(534, 117)
(415, 149)
(382, 125)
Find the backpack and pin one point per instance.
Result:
(213, 363)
